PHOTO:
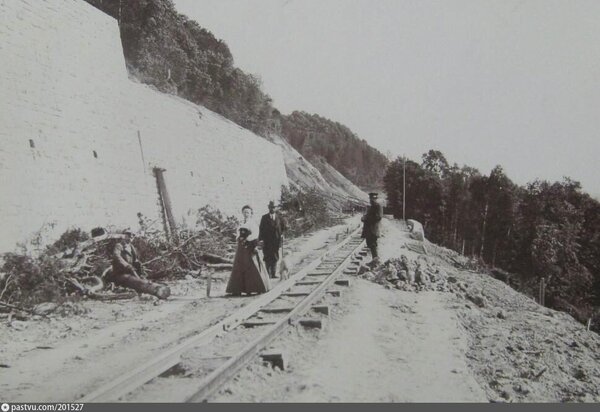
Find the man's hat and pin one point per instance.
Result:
(271, 204)
(374, 195)
(128, 232)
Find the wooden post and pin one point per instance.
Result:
(141, 150)
(208, 283)
(404, 188)
(589, 324)
(165, 203)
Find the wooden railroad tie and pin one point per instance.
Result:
(310, 323)
(335, 293)
(307, 282)
(257, 322)
(277, 310)
(295, 294)
(342, 282)
(276, 359)
(324, 309)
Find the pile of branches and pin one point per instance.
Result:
(76, 264)
(73, 266)
(209, 243)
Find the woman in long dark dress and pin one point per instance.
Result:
(249, 274)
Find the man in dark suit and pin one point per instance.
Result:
(126, 269)
(271, 234)
(370, 230)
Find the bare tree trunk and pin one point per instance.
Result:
(483, 228)
(455, 227)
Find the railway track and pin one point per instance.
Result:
(195, 368)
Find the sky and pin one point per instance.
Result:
(486, 82)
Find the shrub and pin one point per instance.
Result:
(304, 211)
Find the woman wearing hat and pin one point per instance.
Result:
(248, 274)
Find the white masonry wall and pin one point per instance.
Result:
(65, 94)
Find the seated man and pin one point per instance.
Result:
(126, 270)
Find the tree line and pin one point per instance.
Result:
(544, 229)
(176, 55)
(315, 136)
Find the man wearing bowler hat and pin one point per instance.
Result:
(370, 230)
(271, 233)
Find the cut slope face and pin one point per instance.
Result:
(81, 142)
(319, 175)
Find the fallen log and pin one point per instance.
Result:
(211, 258)
(8, 305)
(220, 266)
(112, 296)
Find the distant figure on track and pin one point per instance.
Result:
(370, 230)
(248, 274)
(127, 270)
(271, 233)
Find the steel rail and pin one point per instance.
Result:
(129, 381)
(245, 355)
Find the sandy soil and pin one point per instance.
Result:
(382, 345)
(62, 358)
(523, 352)
(479, 341)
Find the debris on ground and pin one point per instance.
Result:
(519, 350)
(408, 275)
(77, 264)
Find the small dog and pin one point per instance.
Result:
(284, 269)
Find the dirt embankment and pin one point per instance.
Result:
(465, 337)
(518, 350)
(522, 351)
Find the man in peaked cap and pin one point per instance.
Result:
(126, 269)
(371, 221)
(271, 231)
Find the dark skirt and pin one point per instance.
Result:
(249, 274)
